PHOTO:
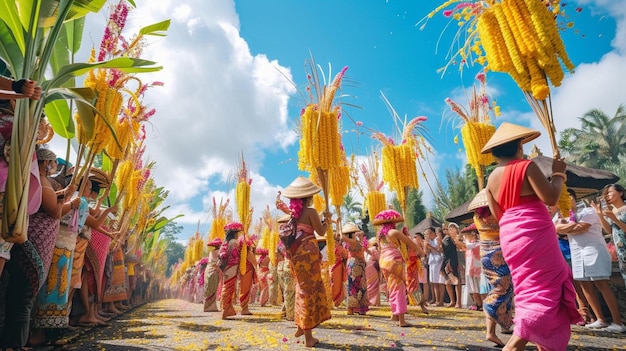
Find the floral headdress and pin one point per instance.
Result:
(233, 226)
(388, 220)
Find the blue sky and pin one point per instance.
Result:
(229, 68)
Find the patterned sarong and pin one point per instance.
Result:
(392, 266)
(357, 286)
(117, 290)
(52, 301)
(311, 308)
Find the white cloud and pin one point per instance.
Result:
(218, 102)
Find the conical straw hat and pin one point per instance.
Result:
(301, 188)
(480, 200)
(508, 132)
(349, 228)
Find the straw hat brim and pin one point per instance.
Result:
(284, 219)
(301, 188)
(508, 132)
(387, 220)
(95, 175)
(349, 228)
(480, 200)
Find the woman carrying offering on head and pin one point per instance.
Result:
(392, 263)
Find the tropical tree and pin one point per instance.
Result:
(174, 249)
(353, 208)
(415, 209)
(599, 143)
(460, 187)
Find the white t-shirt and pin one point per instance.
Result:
(590, 256)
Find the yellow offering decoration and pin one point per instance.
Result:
(521, 38)
(375, 201)
(242, 201)
(320, 145)
(318, 202)
(564, 202)
(477, 128)
(219, 220)
(400, 164)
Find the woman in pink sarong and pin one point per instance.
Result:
(392, 263)
(372, 272)
(517, 191)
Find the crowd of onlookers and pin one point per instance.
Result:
(70, 268)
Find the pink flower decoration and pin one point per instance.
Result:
(481, 77)
(359, 123)
(296, 207)
(447, 13)
(285, 339)
(233, 226)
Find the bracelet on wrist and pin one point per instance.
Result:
(560, 175)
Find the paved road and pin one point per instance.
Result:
(180, 325)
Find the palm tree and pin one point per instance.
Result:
(353, 208)
(600, 142)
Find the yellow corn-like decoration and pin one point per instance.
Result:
(123, 175)
(330, 244)
(339, 183)
(273, 242)
(509, 39)
(199, 247)
(399, 168)
(564, 202)
(376, 203)
(475, 135)
(243, 259)
(217, 228)
(318, 202)
(264, 242)
(242, 200)
(319, 140)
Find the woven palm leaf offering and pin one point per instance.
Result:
(399, 161)
(476, 127)
(320, 151)
(520, 38)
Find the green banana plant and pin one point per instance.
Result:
(29, 30)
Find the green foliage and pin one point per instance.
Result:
(415, 209)
(600, 142)
(174, 250)
(460, 187)
(352, 208)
